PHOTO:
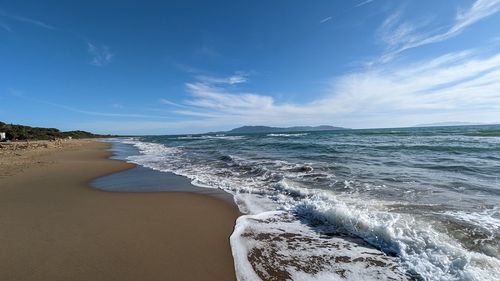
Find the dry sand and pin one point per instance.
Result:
(54, 227)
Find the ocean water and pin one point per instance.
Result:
(378, 204)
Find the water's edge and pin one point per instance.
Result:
(304, 222)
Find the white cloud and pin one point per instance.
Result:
(237, 78)
(450, 83)
(325, 20)
(360, 4)
(401, 36)
(478, 11)
(168, 102)
(363, 3)
(212, 98)
(27, 20)
(101, 56)
(461, 86)
(454, 87)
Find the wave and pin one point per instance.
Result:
(292, 226)
(210, 137)
(424, 251)
(438, 148)
(488, 133)
(274, 243)
(288, 135)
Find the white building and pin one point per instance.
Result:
(2, 136)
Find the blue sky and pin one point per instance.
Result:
(159, 67)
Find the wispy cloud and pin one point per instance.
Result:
(457, 86)
(342, 12)
(101, 56)
(209, 97)
(326, 19)
(363, 3)
(205, 99)
(461, 86)
(169, 102)
(237, 78)
(27, 20)
(400, 36)
(447, 84)
(442, 88)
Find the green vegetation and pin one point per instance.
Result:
(20, 132)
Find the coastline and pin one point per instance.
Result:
(54, 226)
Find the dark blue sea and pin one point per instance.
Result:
(373, 204)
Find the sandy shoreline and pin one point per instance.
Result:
(53, 226)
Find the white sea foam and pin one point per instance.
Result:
(289, 207)
(488, 219)
(275, 242)
(430, 254)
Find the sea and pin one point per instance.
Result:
(419, 203)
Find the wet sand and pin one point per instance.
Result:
(53, 226)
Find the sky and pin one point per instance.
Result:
(173, 67)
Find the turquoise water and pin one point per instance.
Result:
(426, 197)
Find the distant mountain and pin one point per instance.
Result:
(266, 129)
(445, 124)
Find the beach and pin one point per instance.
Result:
(53, 226)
